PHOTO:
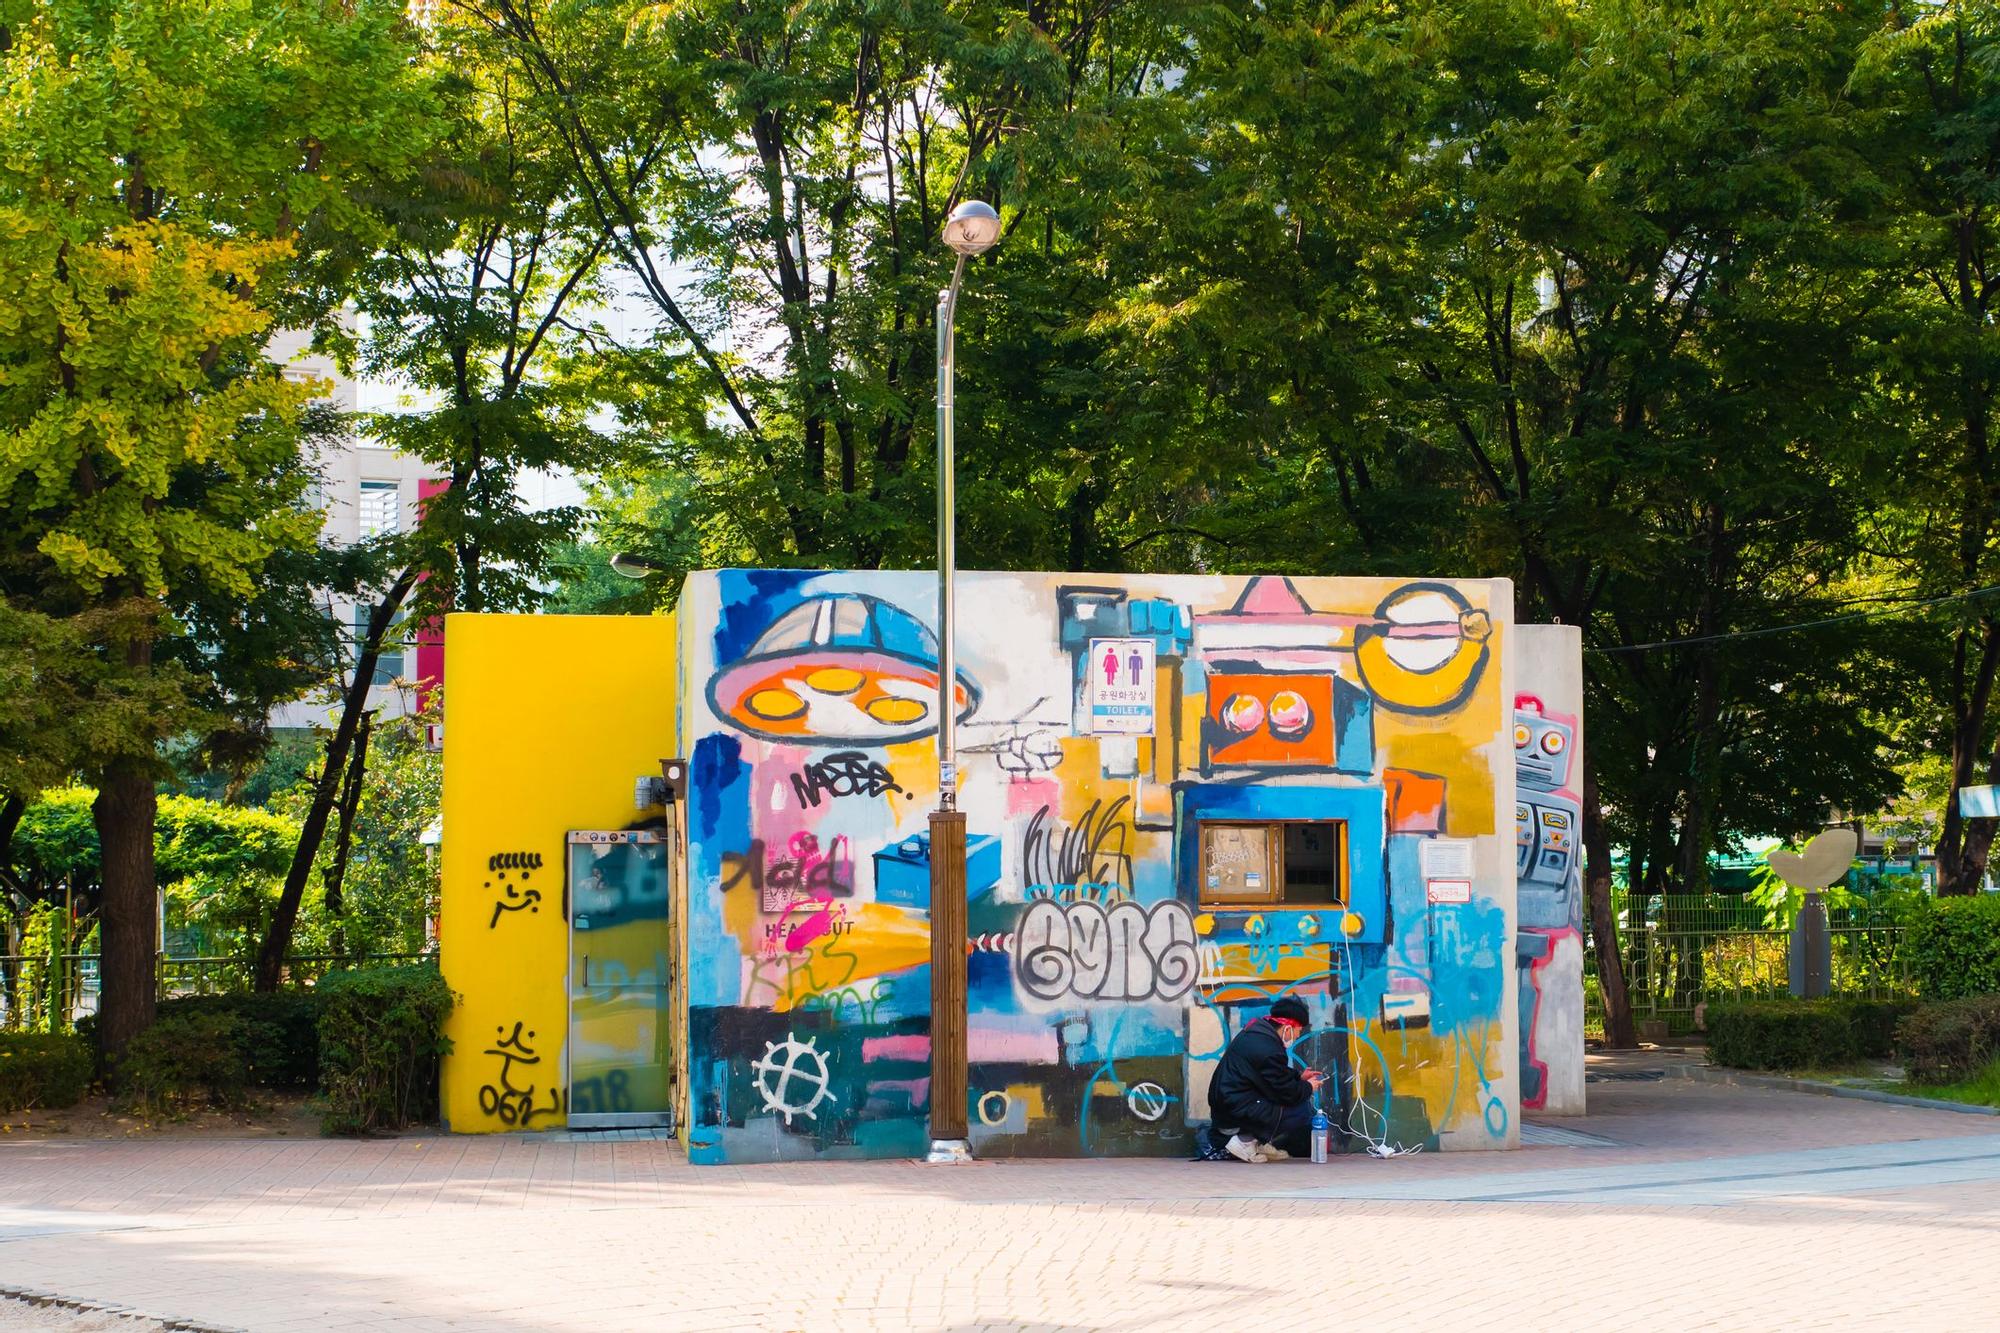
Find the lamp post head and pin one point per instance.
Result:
(973, 228)
(634, 566)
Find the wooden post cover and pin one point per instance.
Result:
(948, 1076)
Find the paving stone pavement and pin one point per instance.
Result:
(1709, 1207)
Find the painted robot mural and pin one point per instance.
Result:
(1186, 797)
(1548, 861)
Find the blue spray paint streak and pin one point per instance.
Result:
(720, 794)
(748, 601)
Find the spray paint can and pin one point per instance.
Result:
(1321, 1131)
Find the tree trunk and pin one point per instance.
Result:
(350, 802)
(1961, 864)
(123, 813)
(1977, 841)
(270, 969)
(1619, 1033)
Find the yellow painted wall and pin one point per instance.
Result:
(549, 722)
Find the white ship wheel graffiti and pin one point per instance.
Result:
(793, 1078)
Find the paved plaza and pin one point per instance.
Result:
(1674, 1204)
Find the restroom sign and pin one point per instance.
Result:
(1121, 686)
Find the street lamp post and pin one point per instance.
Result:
(972, 229)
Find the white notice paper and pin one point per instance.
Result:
(1447, 858)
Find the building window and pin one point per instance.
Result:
(1284, 863)
(389, 662)
(381, 508)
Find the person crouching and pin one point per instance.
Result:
(1258, 1097)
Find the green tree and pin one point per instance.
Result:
(771, 181)
(176, 180)
(1574, 294)
(1933, 76)
(474, 304)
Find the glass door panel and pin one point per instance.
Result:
(620, 1062)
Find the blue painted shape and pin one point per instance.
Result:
(903, 869)
(749, 600)
(1362, 807)
(1166, 623)
(1353, 729)
(1470, 952)
(717, 780)
(1090, 612)
(719, 801)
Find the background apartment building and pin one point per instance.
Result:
(364, 491)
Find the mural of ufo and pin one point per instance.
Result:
(838, 669)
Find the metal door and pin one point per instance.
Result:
(620, 940)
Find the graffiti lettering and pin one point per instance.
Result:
(849, 773)
(806, 873)
(515, 1104)
(1098, 850)
(1124, 953)
(809, 873)
(1072, 893)
(805, 920)
(836, 1002)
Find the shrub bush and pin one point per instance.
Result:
(1873, 1023)
(1950, 1040)
(280, 1039)
(1781, 1034)
(1954, 947)
(1803, 1034)
(42, 1070)
(381, 1033)
(185, 1060)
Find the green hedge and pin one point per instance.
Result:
(1951, 1040)
(1874, 1024)
(1954, 947)
(43, 1070)
(381, 1033)
(279, 1036)
(184, 1061)
(1802, 1034)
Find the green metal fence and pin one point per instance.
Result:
(52, 991)
(1682, 953)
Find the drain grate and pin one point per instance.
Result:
(1624, 1076)
(1555, 1136)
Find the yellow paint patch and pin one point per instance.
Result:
(884, 938)
(893, 710)
(552, 717)
(836, 680)
(775, 705)
(1468, 782)
(1262, 963)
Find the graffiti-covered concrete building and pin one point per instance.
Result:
(1186, 796)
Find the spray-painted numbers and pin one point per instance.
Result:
(510, 1097)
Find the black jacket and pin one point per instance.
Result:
(1255, 1082)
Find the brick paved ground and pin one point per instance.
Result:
(1824, 1216)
